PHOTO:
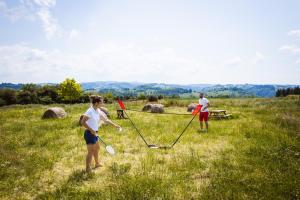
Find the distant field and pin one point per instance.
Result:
(254, 155)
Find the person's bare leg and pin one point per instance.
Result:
(201, 125)
(96, 155)
(89, 157)
(206, 124)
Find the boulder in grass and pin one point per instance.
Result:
(191, 107)
(154, 108)
(105, 116)
(147, 107)
(105, 110)
(157, 108)
(55, 112)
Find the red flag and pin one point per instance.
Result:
(196, 110)
(121, 104)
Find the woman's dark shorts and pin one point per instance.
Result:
(90, 138)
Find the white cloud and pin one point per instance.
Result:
(45, 3)
(247, 61)
(259, 57)
(37, 10)
(21, 63)
(291, 48)
(50, 24)
(294, 33)
(73, 34)
(51, 28)
(235, 61)
(15, 13)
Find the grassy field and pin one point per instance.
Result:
(254, 155)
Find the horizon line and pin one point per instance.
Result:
(144, 83)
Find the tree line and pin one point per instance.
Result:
(68, 92)
(288, 91)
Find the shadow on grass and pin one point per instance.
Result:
(121, 186)
(68, 189)
(79, 176)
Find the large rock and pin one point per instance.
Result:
(154, 108)
(105, 110)
(147, 107)
(191, 107)
(55, 112)
(157, 108)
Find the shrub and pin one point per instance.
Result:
(175, 96)
(49, 91)
(174, 102)
(27, 97)
(142, 96)
(152, 98)
(9, 96)
(107, 100)
(160, 96)
(30, 87)
(2, 102)
(108, 97)
(84, 98)
(46, 100)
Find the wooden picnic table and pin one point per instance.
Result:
(219, 114)
(120, 114)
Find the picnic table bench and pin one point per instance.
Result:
(219, 114)
(120, 114)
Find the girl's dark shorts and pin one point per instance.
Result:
(90, 138)
(203, 116)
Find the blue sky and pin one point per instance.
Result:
(234, 41)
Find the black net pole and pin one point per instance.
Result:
(184, 130)
(136, 129)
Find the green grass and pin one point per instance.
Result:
(255, 155)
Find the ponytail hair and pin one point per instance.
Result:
(96, 99)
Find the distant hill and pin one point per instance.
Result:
(211, 90)
(250, 90)
(11, 86)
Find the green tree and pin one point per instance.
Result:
(2, 102)
(28, 94)
(30, 87)
(48, 94)
(69, 91)
(142, 96)
(152, 98)
(84, 98)
(27, 97)
(8, 96)
(108, 97)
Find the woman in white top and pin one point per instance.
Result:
(91, 121)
